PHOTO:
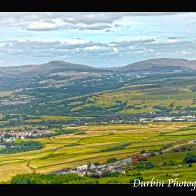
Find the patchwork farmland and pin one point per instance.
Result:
(72, 150)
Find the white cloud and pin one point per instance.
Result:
(41, 21)
(131, 41)
(41, 26)
(135, 46)
(82, 37)
(115, 49)
(94, 48)
(137, 39)
(96, 26)
(76, 42)
(44, 25)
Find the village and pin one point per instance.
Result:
(188, 118)
(144, 118)
(12, 135)
(97, 171)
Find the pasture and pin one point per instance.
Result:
(143, 98)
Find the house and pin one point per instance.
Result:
(85, 167)
(160, 119)
(82, 174)
(138, 158)
(146, 155)
(81, 168)
(190, 118)
(179, 119)
(1, 146)
(145, 120)
(135, 159)
(121, 171)
(99, 172)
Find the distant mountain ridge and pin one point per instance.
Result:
(156, 65)
(50, 67)
(150, 65)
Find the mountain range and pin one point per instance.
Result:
(151, 66)
(159, 65)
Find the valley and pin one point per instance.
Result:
(71, 150)
(59, 116)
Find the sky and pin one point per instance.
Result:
(100, 39)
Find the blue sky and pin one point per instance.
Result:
(97, 39)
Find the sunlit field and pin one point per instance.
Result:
(71, 150)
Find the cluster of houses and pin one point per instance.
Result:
(189, 118)
(10, 136)
(143, 118)
(137, 158)
(118, 166)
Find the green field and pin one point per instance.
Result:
(56, 118)
(70, 150)
(144, 98)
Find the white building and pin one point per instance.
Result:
(167, 118)
(85, 167)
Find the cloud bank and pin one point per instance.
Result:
(98, 39)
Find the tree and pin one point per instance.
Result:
(110, 174)
(164, 163)
(35, 178)
(149, 165)
(111, 160)
(171, 105)
(190, 164)
(142, 151)
(190, 158)
(96, 163)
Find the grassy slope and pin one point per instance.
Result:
(145, 96)
(162, 173)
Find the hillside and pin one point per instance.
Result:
(59, 115)
(17, 76)
(44, 69)
(60, 88)
(162, 65)
(159, 66)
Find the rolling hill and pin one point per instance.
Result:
(44, 69)
(163, 65)
(63, 74)
(98, 115)
(159, 65)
